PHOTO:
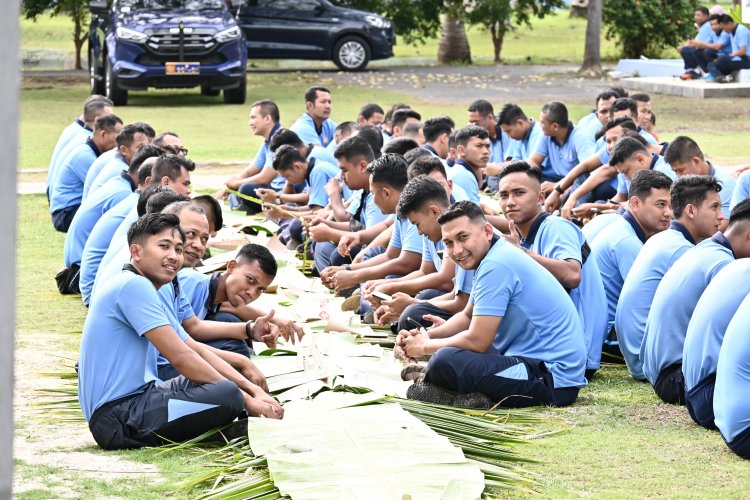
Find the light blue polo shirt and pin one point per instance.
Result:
(592, 229)
(405, 236)
(657, 164)
(195, 286)
(118, 252)
(97, 167)
(521, 150)
(98, 242)
(67, 187)
(99, 203)
(615, 250)
(725, 39)
(741, 189)
(319, 172)
(727, 188)
(371, 214)
(656, 257)
(731, 404)
(305, 128)
(463, 176)
(563, 157)
(709, 322)
(111, 170)
(499, 147)
(116, 359)
(431, 252)
(178, 310)
(560, 239)
(740, 38)
(675, 300)
(75, 131)
(590, 125)
(539, 320)
(705, 33)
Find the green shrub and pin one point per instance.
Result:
(647, 27)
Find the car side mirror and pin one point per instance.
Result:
(99, 6)
(318, 9)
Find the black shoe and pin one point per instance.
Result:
(724, 79)
(430, 393)
(413, 372)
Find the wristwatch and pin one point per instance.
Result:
(559, 189)
(249, 329)
(347, 267)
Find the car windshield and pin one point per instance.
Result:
(173, 4)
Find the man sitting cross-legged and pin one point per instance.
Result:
(121, 395)
(518, 342)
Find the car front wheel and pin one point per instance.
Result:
(112, 88)
(351, 53)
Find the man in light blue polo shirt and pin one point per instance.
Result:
(617, 246)
(558, 246)
(67, 187)
(518, 342)
(696, 205)
(473, 153)
(436, 133)
(315, 125)
(686, 158)
(705, 48)
(731, 404)
(77, 132)
(675, 300)
(121, 396)
(741, 189)
(738, 58)
(481, 113)
(690, 51)
(524, 132)
(562, 145)
(593, 122)
(709, 322)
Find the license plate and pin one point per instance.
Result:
(182, 68)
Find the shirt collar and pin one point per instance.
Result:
(124, 174)
(654, 159)
(634, 224)
(677, 226)
(310, 166)
(82, 123)
(318, 130)
(273, 131)
(431, 150)
(722, 240)
(213, 287)
(90, 142)
(664, 146)
(528, 133)
(567, 136)
(465, 165)
(528, 241)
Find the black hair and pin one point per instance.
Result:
(510, 114)
(605, 96)
(256, 253)
(389, 169)
(159, 139)
(107, 122)
(347, 127)
(482, 107)
(619, 91)
(354, 147)
(400, 116)
(681, 150)
(151, 224)
(702, 10)
(370, 109)
(388, 118)
(126, 136)
(464, 135)
(412, 129)
(625, 148)
(463, 208)
(147, 129)
(144, 172)
(521, 166)
(641, 98)
(740, 212)
(624, 103)
(268, 107)
(693, 190)
(646, 180)
(94, 108)
(213, 209)
(285, 157)
(170, 166)
(374, 138)
(400, 145)
(161, 200)
(283, 137)
(312, 93)
(556, 112)
(638, 137)
(145, 152)
(418, 192)
(714, 17)
(625, 122)
(146, 194)
(437, 126)
(414, 154)
(425, 165)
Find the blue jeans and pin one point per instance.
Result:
(724, 65)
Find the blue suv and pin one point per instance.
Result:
(137, 44)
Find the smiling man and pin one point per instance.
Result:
(121, 395)
(513, 344)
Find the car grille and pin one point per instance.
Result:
(164, 43)
(214, 58)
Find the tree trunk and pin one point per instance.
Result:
(497, 30)
(454, 45)
(592, 59)
(79, 17)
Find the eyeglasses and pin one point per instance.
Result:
(175, 151)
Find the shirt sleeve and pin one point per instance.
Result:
(561, 241)
(622, 184)
(410, 239)
(396, 235)
(261, 157)
(141, 306)
(318, 195)
(542, 147)
(741, 189)
(184, 310)
(627, 250)
(493, 288)
(426, 253)
(584, 147)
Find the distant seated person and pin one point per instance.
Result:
(66, 192)
(226, 296)
(315, 125)
(731, 404)
(120, 393)
(343, 131)
(710, 42)
(518, 342)
(738, 59)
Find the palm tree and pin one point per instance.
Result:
(592, 59)
(454, 45)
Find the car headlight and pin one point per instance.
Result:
(130, 35)
(227, 35)
(378, 22)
